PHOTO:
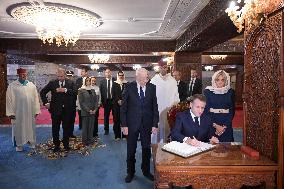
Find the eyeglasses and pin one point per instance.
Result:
(120, 75)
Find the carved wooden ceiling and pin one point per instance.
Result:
(180, 25)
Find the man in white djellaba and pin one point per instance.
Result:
(167, 95)
(22, 106)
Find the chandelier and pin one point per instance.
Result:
(98, 58)
(95, 67)
(136, 66)
(208, 68)
(252, 13)
(218, 57)
(55, 22)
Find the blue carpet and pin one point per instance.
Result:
(104, 168)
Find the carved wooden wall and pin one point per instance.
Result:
(264, 89)
(3, 86)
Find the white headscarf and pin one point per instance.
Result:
(214, 87)
(120, 82)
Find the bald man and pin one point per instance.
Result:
(61, 105)
(139, 116)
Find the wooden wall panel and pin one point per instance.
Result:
(3, 86)
(263, 89)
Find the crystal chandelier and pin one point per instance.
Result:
(55, 22)
(95, 67)
(218, 57)
(208, 68)
(136, 66)
(252, 12)
(98, 58)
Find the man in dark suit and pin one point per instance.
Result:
(139, 115)
(106, 88)
(62, 94)
(182, 86)
(79, 83)
(70, 76)
(192, 126)
(195, 84)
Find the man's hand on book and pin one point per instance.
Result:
(193, 142)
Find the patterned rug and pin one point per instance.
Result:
(76, 147)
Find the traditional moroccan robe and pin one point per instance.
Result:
(22, 101)
(167, 95)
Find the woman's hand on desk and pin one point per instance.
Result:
(220, 129)
(214, 140)
(192, 142)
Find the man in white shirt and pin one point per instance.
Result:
(167, 95)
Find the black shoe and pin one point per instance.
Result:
(128, 178)
(67, 149)
(106, 132)
(72, 136)
(56, 149)
(149, 176)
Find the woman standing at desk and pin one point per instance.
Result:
(221, 105)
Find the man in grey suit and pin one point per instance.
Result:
(139, 116)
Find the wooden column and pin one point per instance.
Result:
(185, 61)
(3, 86)
(264, 89)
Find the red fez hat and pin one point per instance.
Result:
(21, 70)
(162, 63)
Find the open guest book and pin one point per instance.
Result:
(185, 150)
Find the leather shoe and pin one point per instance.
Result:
(56, 149)
(149, 176)
(128, 178)
(72, 136)
(67, 149)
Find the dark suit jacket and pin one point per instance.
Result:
(117, 92)
(58, 100)
(197, 87)
(134, 114)
(103, 89)
(182, 90)
(186, 127)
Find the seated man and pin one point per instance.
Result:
(192, 126)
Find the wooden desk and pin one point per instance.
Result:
(223, 167)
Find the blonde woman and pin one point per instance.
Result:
(221, 105)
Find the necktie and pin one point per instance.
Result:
(196, 121)
(141, 93)
(191, 87)
(108, 89)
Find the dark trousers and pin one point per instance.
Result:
(116, 121)
(72, 122)
(131, 151)
(96, 123)
(80, 119)
(108, 106)
(63, 118)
